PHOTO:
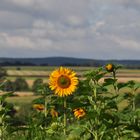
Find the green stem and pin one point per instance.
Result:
(95, 93)
(1, 122)
(133, 101)
(133, 108)
(114, 84)
(65, 117)
(133, 105)
(96, 119)
(96, 135)
(45, 109)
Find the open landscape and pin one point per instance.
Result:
(69, 70)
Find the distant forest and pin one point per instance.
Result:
(66, 61)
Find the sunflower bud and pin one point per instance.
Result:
(109, 67)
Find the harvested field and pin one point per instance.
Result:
(34, 72)
(31, 73)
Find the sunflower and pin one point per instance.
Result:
(39, 107)
(63, 81)
(79, 113)
(109, 67)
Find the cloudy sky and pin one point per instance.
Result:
(98, 29)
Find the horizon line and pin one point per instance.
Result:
(69, 57)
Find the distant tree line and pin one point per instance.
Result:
(87, 64)
(83, 64)
(17, 63)
(20, 84)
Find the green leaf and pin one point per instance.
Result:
(136, 86)
(112, 105)
(99, 76)
(138, 112)
(121, 85)
(109, 81)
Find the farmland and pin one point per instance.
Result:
(30, 73)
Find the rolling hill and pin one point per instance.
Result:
(65, 61)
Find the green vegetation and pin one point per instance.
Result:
(36, 85)
(21, 85)
(2, 72)
(8, 86)
(102, 108)
(21, 100)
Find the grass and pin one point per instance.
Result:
(18, 100)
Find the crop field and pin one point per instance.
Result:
(94, 104)
(30, 73)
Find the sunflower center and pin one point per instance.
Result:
(64, 81)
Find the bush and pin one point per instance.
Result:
(21, 85)
(2, 72)
(37, 83)
(18, 68)
(8, 86)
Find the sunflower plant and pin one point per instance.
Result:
(63, 82)
(5, 115)
(103, 118)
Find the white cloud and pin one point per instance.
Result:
(127, 43)
(16, 41)
(74, 20)
(22, 3)
(81, 28)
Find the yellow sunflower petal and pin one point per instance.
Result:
(79, 113)
(63, 81)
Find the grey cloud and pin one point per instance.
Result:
(13, 20)
(103, 29)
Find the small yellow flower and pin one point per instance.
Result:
(109, 67)
(79, 113)
(39, 107)
(54, 113)
(63, 81)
